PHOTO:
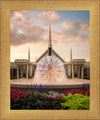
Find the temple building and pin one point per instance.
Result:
(74, 68)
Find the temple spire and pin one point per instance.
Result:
(71, 54)
(29, 54)
(49, 45)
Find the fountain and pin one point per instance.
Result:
(50, 70)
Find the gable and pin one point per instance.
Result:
(46, 54)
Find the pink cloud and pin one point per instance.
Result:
(77, 25)
(49, 17)
(76, 45)
(18, 14)
(24, 30)
(84, 26)
(71, 25)
(87, 42)
(66, 38)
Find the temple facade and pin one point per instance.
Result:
(74, 68)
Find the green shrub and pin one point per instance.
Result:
(36, 93)
(69, 76)
(30, 76)
(43, 94)
(86, 77)
(13, 77)
(24, 75)
(75, 75)
(70, 102)
(75, 102)
(38, 100)
(37, 103)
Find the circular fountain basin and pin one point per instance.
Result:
(68, 84)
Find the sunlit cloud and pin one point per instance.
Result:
(84, 27)
(18, 14)
(77, 25)
(76, 31)
(25, 31)
(76, 45)
(50, 17)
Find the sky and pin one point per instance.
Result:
(30, 29)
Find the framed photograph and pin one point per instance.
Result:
(50, 60)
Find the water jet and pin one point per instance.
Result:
(50, 70)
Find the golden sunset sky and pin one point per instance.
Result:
(29, 29)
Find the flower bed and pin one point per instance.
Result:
(15, 94)
(69, 100)
(77, 91)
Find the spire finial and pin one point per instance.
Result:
(29, 54)
(49, 45)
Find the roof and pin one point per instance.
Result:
(12, 65)
(46, 52)
(21, 60)
(87, 64)
(78, 60)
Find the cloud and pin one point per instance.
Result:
(84, 26)
(50, 17)
(76, 25)
(18, 14)
(76, 32)
(18, 38)
(70, 36)
(24, 30)
(76, 45)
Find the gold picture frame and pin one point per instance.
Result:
(5, 112)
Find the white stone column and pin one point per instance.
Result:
(69, 70)
(82, 72)
(27, 72)
(72, 71)
(21, 71)
(78, 71)
(17, 72)
(29, 69)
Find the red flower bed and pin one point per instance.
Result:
(78, 91)
(17, 94)
(57, 97)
